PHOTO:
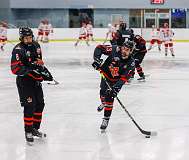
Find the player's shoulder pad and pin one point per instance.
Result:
(18, 48)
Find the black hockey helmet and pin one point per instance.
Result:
(122, 26)
(25, 31)
(129, 44)
(126, 49)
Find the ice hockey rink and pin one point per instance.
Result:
(72, 123)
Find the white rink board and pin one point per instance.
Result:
(99, 33)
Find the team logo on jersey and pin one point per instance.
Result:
(114, 71)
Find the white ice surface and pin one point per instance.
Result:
(70, 119)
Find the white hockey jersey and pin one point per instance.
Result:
(155, 34)
(83, 31)
(47, 28)
(167, 34)
(89, 29)
(41, 27)
(111, 32)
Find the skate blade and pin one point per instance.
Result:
(142, 80)
(41, 137)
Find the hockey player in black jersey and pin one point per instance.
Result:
(27, 64)
(123, 34)
(138, 54)
(116, 69)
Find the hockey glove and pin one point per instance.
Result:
(37, 65)
(39, 62)
(97, 64)
(35, 75)
(46, 75)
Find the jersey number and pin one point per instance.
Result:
(109, 49)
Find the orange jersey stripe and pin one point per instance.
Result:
(28, 123)
(28, 119)
(15, 70)
(40, 78)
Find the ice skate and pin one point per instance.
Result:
(173, 55)
(104, 124)
(29, 138)
(141, 79)
(100, 108)
(38, 134)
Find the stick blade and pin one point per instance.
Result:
(148, 133)
(54, 82)
(153, 133)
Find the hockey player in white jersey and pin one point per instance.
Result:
(82, 35)
(155, 38)
(167, 37)
(40, 31)
(3, 35)
(47, 30)
(90, 31)
(110, 35)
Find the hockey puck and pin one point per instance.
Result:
(147, 136)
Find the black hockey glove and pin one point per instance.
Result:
(46, 75)
(38, 64)
(34, 75)
(97, 63)
(113, 92)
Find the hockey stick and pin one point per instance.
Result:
(147, 133)
(55, 82)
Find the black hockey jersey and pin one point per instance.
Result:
(140, 44)
(124, 35)
(114, 68)
(23, 61)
